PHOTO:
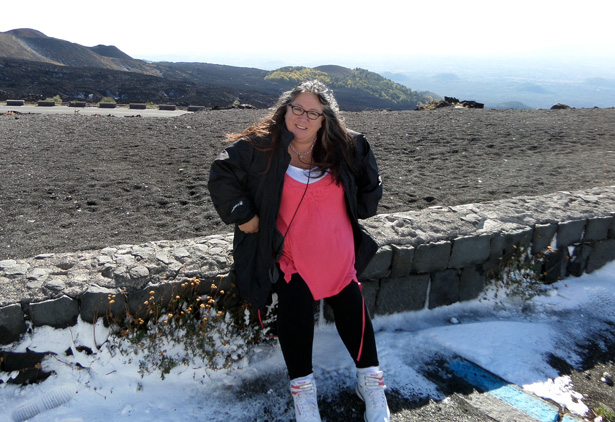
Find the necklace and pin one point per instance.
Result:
(302, 154)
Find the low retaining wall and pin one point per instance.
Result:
(427, 258)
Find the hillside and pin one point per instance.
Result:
(33, 81)
(29, 44)
(35, 66)
(367, 89)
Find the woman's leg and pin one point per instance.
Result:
(295, 325)
(354, 325)
(355, 328)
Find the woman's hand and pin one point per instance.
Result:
(251, 226)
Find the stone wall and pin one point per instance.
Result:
(428, 258)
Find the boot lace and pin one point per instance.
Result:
(372, 391)
(306, 404)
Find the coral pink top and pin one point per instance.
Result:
(319, 245)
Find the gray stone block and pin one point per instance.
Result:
(512, 242)
(470, 250)
(380, 265)
(12, 323)
(402, 260)
(402, 294)
(578, 260)
(471, 283)
(602, 253)
(570, 233)
(370, 290)
(142, 302)
(58, 313)
(555, 265)
(597, 229)
(10, 267)
(543, 236)
(491, 268)
(497, 246)
(492, 264)
(444, 288)
(102, 303)
(431, 257)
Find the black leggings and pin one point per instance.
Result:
(296, 325)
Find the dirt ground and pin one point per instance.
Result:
(74, 182)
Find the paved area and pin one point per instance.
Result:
(91, 111)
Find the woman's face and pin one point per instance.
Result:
(304, 128)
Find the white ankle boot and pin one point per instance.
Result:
(304, 397)
(370, 388)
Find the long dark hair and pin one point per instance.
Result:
(334, 144)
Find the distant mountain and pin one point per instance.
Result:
(520, 84)
(32, 81)
(34, 66)
(29, 44)
(512, 105)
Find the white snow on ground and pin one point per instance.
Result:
(505, 335)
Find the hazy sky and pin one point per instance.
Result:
(308, 30)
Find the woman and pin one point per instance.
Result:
(295, 185)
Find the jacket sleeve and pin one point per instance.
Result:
(369, 183)
(228, 183)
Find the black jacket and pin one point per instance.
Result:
(241, 187)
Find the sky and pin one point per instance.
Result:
(245, 32)
(498, 332)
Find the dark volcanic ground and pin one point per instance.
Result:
(72, 182)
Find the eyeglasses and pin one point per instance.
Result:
(298, 111)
